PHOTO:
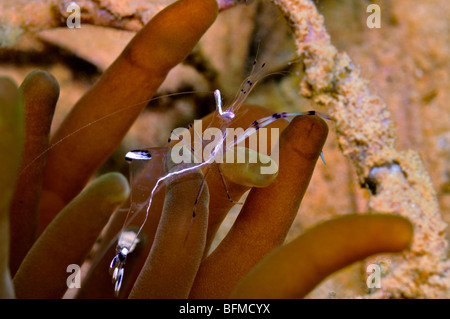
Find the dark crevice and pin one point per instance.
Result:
(371, 182)
(81, 69)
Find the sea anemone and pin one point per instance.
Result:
(62, 218)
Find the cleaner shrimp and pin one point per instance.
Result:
(158, 160)
(141, 200)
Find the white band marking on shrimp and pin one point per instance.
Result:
(226, 114)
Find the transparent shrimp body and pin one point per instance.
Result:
(142, 197)
(146, 167)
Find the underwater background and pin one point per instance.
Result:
(406, 61)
